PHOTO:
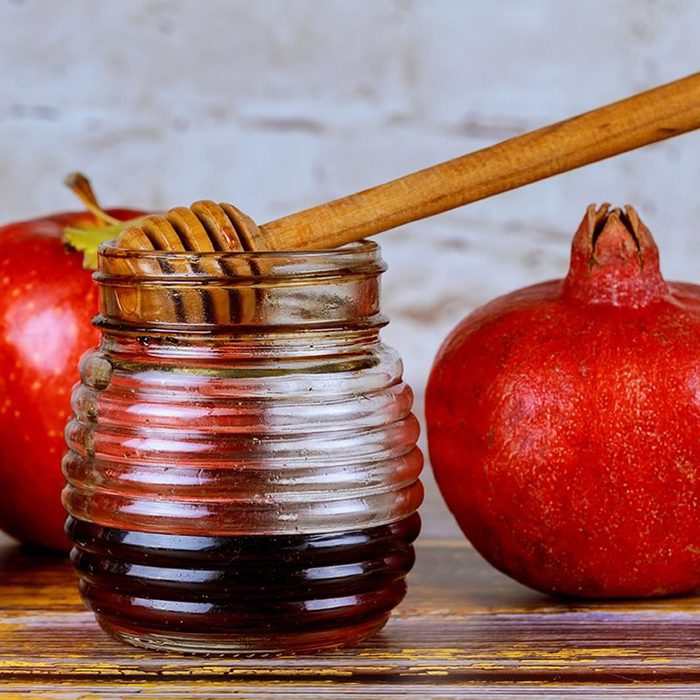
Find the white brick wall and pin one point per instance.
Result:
(278, 105)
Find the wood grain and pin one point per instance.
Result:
(639, 120)
(463, 631)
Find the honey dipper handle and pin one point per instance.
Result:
(642, 119)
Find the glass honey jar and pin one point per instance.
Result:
(242, 467)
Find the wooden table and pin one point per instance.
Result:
(464, 631)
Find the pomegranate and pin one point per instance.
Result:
(564, 422)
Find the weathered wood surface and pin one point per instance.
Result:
(463, 631)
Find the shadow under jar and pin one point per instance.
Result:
(242, 467)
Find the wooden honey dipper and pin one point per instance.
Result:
(205, 227)
(645, 118)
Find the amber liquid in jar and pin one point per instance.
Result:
(246, 483)
(304, 591)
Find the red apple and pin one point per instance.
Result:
(47, 301)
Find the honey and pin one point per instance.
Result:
(270, 593)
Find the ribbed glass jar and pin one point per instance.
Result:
(242, 467)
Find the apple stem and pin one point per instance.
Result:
(81, 187)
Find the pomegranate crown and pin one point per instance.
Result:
(614, 260)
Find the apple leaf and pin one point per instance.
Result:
(88, 240)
